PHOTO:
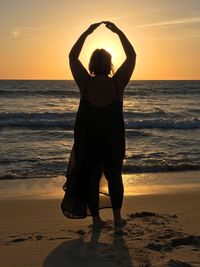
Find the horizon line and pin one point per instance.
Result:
(28, 79)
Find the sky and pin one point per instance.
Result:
(36, 36)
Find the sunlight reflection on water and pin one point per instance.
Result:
(134, 184)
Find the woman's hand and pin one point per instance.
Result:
(111, 26)
(93, 27)
(76, 49)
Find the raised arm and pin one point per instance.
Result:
(79, 72)
(124, 72)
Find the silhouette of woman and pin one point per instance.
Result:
(99, 134)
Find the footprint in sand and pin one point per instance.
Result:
(176, 263)
(57, 238)
(175, 243)
(38, 237)
(20, 239)
(80, 232)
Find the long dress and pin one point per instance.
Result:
(98, 151)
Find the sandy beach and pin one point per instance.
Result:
(163, 229)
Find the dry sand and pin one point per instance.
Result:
(163, 229)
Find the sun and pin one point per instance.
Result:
(107, 41)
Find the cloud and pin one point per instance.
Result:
(23, 32)
(14, 34)
(171, 22)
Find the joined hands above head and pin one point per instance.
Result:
(76, 49)
(128, 49)
(111, 26)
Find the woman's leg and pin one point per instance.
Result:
(93, 195)
(114, 153)
(116, 191)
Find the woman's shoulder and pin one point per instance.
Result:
(101, 77)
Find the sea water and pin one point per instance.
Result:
(162, 120)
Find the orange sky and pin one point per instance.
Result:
(36, 36)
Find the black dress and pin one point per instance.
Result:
(99, 149)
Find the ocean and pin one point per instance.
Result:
(162, 120)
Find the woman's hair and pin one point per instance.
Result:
(100, 62)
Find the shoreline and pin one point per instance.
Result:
(134, 184)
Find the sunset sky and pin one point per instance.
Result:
(36, 36)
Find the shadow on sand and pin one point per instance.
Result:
(79, 253)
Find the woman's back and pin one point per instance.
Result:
(101, 90)
(100, 111)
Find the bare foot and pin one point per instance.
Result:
(98, 223)
(120, 222)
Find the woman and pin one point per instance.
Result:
(99, 135)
